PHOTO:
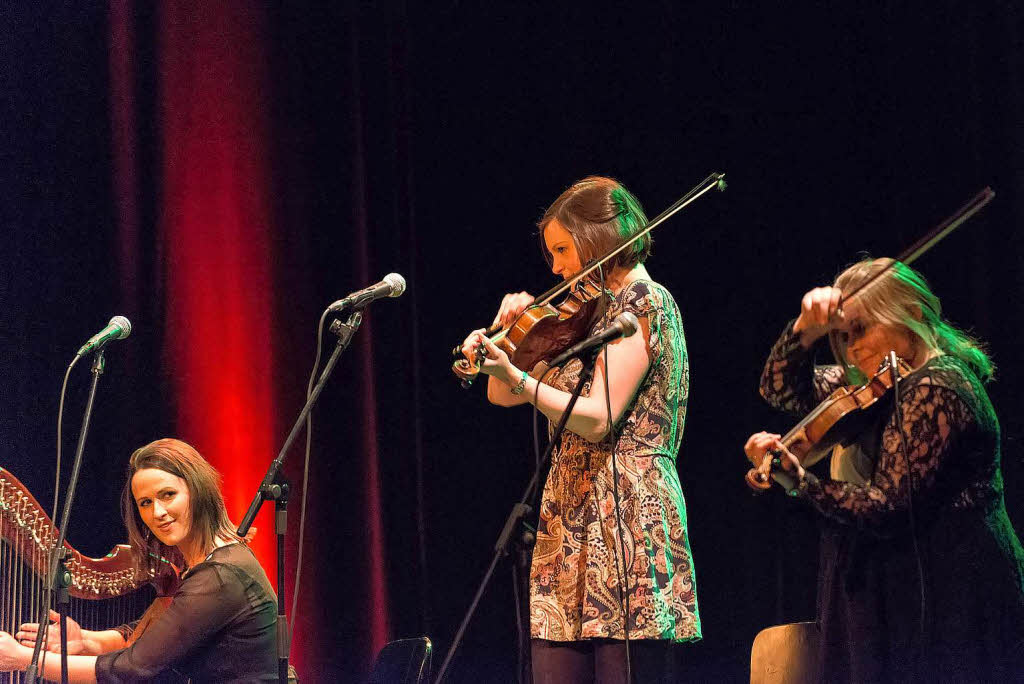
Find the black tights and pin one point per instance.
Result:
(601, 661)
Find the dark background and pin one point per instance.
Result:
(427, 139)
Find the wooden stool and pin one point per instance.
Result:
(785, 654)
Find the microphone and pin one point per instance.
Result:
(393, 285)
(894, 372)
(118, 328)
(624, 325)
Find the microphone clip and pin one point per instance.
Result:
(345, 331)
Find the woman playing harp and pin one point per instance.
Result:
(220, 625)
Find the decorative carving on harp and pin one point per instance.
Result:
(105, 592)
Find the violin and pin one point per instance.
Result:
(837, 420)
(543, 330)
(546, 329)
(840, 417)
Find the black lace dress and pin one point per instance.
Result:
(869, 593)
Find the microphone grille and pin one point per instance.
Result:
(397, 283)
(628, 322)
(124, 324)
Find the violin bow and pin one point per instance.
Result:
(714, 180)
(757, 477)
(933, 237)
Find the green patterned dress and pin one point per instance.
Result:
(574, 586)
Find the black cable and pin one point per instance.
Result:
(537, 495)
(305, 475)
(519, 615)
(624, 576)
(60, 422)
(47, 594)
(620, 569)
(898, 414)
(519, 511)
(536, 427)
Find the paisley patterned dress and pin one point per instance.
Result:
(574, 586)
(870, 593)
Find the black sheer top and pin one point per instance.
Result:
(220, 627)
(951, 430)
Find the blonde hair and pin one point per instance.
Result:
(208, 514)
(902, 298)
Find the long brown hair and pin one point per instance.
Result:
(208, 516)
(600, 214)
(902, 298)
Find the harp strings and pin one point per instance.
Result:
(26, 536)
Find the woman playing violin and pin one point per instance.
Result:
(576, 611)
(896, 540)
(221, 623)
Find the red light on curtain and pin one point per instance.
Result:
(215, 233)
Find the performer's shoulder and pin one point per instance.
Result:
(944, 371)
(648, 295)
(947, 376)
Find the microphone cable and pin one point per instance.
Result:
(305, 478)
(60, 421)
(393, 279)
(47, 594)
(898, 415)
(620, 560)
(620, 553)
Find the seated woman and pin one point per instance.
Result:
(220, 625)
(921, 576)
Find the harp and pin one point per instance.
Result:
(105, 592)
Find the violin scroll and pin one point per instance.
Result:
(466, 371)
(758, 481)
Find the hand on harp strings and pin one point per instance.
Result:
(104, 591)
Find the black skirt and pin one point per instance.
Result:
(870, 602)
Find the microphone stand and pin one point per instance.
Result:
(59, 576)
(276, 488)
(516, 519)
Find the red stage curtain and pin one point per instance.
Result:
(211, 245)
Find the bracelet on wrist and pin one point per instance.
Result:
(518, 389)
(800, 488)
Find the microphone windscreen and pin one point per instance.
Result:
(124, 324)
(628, 322)
(397, 283)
